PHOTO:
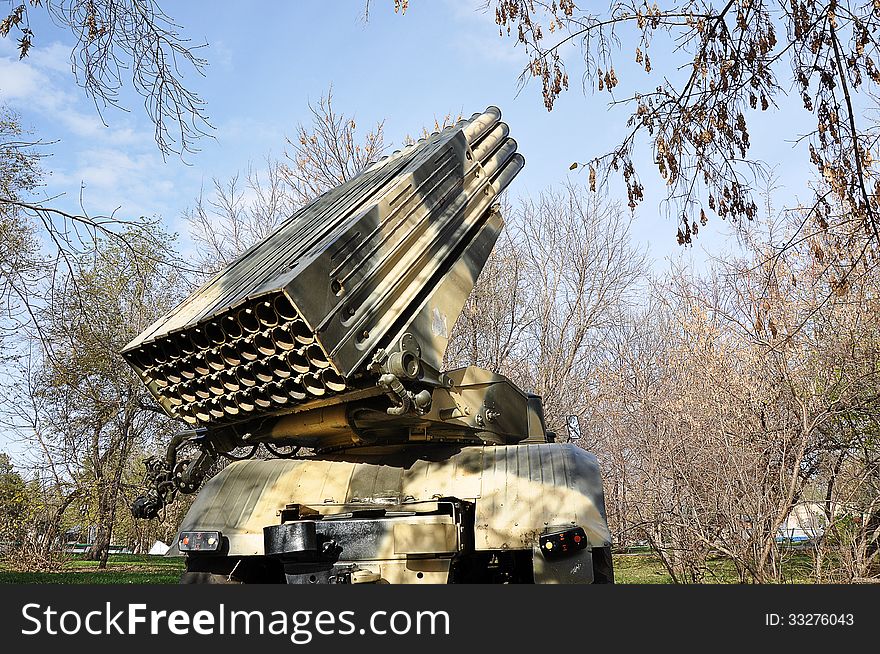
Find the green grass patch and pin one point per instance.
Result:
(121, 569)
(145, 569)
(648, 569)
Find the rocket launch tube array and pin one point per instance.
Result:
(297, 316)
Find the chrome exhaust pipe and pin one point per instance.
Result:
(284, 308)
(284, 340)
(317, 357)
(265, 313)
(333, 380)
(248, 321)
(264, 344)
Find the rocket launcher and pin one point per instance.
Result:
(353, 297)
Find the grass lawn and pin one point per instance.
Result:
(121, 569)
(145, 569)
(647, 569)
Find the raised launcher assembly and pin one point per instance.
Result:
(330, 335)
(305, 338)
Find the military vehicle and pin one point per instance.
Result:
(322, 346)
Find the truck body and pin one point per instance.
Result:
(321, 347)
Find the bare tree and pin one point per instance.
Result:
(119, 38)
(239, 214)
(118, 43)
(735, 59)
(83, 409)
(328, 152)
(559, 279)
(741, 396)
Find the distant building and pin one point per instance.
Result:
(805, 522)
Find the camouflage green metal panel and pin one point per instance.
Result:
(476, 406)
(394, 251)
(519, 491)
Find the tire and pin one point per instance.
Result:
(603, 568)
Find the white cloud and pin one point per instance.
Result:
(110, 166)
(19, 81)
(478, 34)
(43, 83)
(54, 57)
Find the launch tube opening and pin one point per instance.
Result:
(232, 328)
(266, 314)
(215, 333)
(284, 308)
(248, 321)
(247, 350)
(283, 338)
(264, 344)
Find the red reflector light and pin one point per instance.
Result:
(563, 542)
(200, 541)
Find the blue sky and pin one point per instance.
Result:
(267, 62)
